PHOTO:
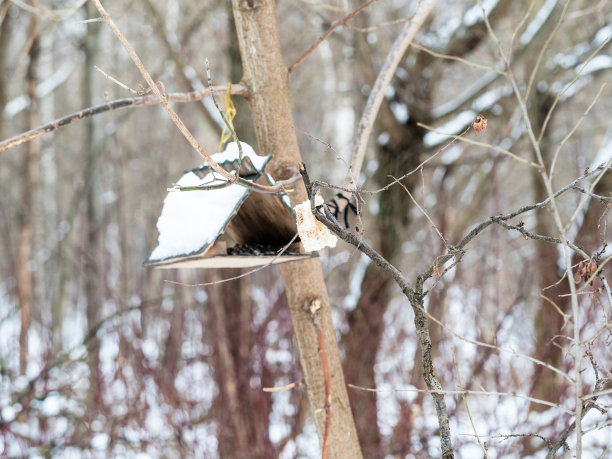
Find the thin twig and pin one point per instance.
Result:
(162, 99)
(225, 120)
(544, 48)
(328, 33)
(585, 407)
(458, 59)
(119, 83)
(130, 102)
(26, 396)
(480, 144)
(607, 289)
(528, 435)
(547, 180)
(569, 85)
(467, 407)
(423, 211)
(602, 199)
(585, 198)
(571, 132)
(283, 388)
(464, 392)
(454, 252)
(282, 186)
(364, 129)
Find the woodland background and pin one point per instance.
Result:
(100, 356)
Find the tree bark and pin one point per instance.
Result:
(29, 174)
(92, 269)
(265, 76)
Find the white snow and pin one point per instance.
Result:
(601, 62)
(538, 22)
(400, 111)
(191, 220)
(474, 14)
(453, 104)
(44, 88)
(232, 153)
(602, 35)
(489, 98)
(605, 150)
(383, 139)
(454, 126)
(52, 404)
(451, 155)
(100, 441)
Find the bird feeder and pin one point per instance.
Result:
(226, 225)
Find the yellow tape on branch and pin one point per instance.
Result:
(230, 113)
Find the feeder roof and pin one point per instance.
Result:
(192, 221)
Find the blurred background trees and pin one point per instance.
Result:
(100, 355)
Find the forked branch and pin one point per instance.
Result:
(162, 99)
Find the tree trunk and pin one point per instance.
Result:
(266, 77)
(92, 271)
(25, 283)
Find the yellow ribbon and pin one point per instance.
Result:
(230, 113)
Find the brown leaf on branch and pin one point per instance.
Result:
(480, 124)
(586, 269)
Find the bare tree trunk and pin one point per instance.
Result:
(266, 77)
(228, 382)
(5, 221)
(93, 273)
(25, 284)
(4, 46)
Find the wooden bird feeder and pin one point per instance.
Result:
(230, 226)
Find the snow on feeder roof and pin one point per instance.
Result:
(230, 226)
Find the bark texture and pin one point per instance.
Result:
(29, 173)
(265, 76)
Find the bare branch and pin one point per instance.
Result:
(585, 407)
(414, 295)
(569, 85)
(464, 392)
(162, 99)
(364, 129)
(282, 388)
(130, 102)
(544, 48)
(571, 132)
(322, 38)
(480, 144)
(458, 59)
(423, 211)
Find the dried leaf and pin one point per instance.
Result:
(586, 268)
(480, 124)
(591, 267)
